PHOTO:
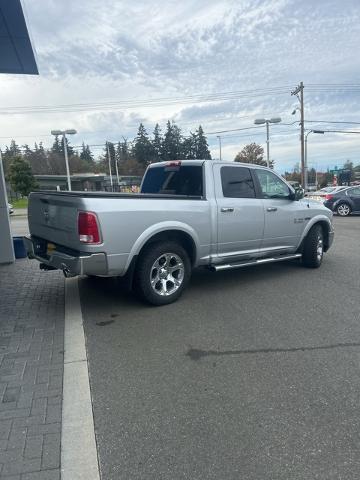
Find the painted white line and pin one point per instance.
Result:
(78, 446)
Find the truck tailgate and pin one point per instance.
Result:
(54, 218)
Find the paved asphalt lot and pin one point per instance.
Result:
(253, 374)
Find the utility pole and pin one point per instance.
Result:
(299, 92)
(117, 171)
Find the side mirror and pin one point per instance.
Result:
(298, 194)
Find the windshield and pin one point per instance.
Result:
(174, 180)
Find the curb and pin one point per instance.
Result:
(78, 445)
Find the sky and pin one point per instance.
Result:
(111, 65)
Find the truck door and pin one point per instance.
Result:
(240, 215)
(284, 218)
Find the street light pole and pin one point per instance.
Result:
(63, 133)
(267, 145)
(67, 162)
(218, 136)
(261, 121)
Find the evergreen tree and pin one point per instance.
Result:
(37, 159)
(9, 155)
(189, 147)
(157, 144)
(172, 144)
(86, 157)
(123, 153)
(57, 145)
(86, 154)
(14, 149)
(21, 178)
(202, 147)
(142, 149)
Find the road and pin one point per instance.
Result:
(253, 374)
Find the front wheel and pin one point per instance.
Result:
(162, 272)
(343, 209)
(313, 250)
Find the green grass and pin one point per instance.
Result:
(21, 203)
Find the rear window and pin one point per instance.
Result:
(174, 180)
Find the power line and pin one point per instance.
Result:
(157, 102)
(332, 121)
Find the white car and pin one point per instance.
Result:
(11, 208)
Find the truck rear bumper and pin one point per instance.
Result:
(71, 265)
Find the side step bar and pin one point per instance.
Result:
(260, 261)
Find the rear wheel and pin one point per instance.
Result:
(313, 250)
(162, 272)
(343, 209)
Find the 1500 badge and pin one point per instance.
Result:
(301, 220)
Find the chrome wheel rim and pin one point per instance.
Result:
(343, 210)
(167, 274)
(319, 249)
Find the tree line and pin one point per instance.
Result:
(131, 157)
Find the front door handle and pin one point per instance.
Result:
(271, 209)
(227, 209)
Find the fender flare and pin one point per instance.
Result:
(314, 221)
(160, 228)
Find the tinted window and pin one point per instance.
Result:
(237, 182)
(271, 185)
(354, 192)
(174, 180)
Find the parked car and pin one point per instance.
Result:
(191, 213)
(10, 208)
(320, 195)
(344, 202)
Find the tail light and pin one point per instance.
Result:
(88, 228)
(328, 196)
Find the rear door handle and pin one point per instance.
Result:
(227, 209)
(271, 209)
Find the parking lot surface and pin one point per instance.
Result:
(253, 374)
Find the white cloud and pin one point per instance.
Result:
(100, 50)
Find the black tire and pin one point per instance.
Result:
(153, 291)
(343, 209)
(313, 248)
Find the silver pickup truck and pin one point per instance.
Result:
(190, 213)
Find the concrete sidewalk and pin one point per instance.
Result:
(20, 212)
(31, 371)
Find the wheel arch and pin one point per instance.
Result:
(326, 226)
(165, 231)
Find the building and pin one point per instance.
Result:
(17, 57)
(92, 182)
